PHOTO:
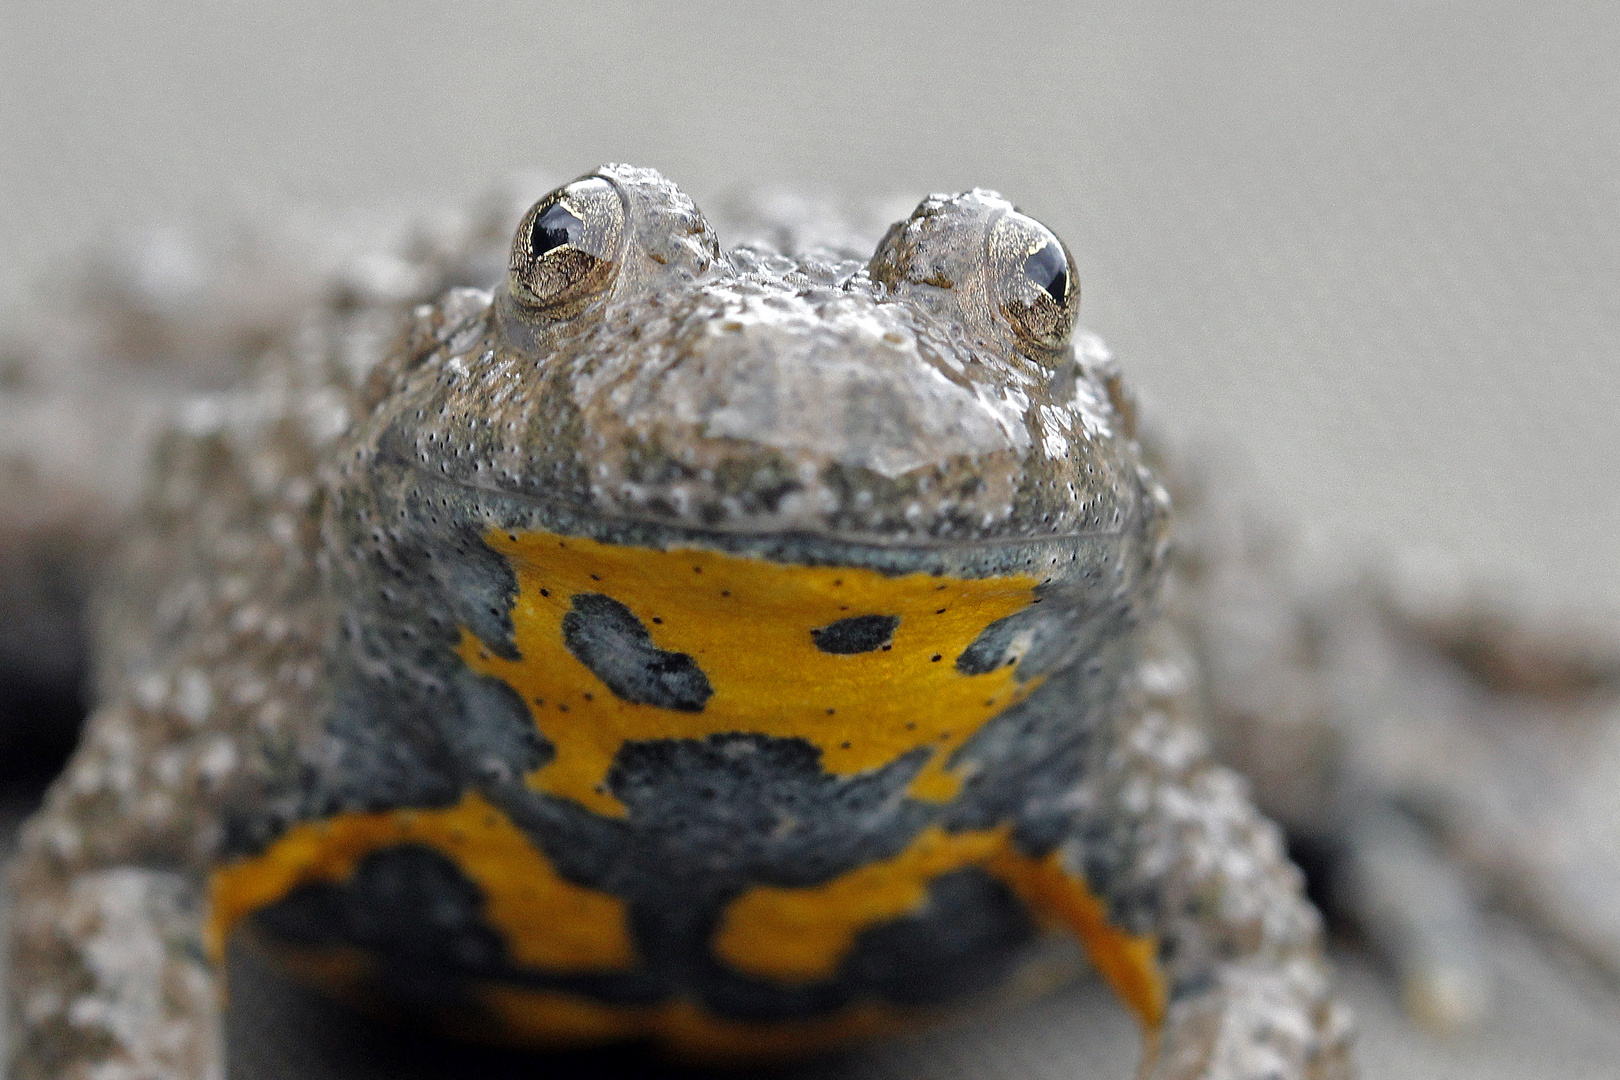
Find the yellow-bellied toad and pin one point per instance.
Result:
(750, 651)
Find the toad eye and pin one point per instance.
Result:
(1032, 277)
(568, 248)
(975, 259)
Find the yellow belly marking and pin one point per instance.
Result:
(747, 624)
(1129, 962)
(802, 935)
(547, 922)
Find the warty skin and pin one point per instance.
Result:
(331, 621)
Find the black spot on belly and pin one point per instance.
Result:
(729, 811)
(408, 906)
(423, 922)
(606, 637)
(492, 736)
(857, 634)
(990, 647)
(964, 941)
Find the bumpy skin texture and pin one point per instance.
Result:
(324, 696)
(1432, 744)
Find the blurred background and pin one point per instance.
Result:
(1375, 247)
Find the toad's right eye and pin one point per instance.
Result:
(568, 249)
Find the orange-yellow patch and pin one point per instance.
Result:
(548, 922)
(747, 624)
(802, 935)
(1128, 961)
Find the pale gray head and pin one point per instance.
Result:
(934, 394)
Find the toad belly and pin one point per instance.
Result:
(737, 840)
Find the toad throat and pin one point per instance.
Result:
(618, 644)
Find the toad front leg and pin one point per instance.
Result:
(1236, 987)
(108, 976)
(111, 980)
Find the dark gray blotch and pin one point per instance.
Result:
(963, 941)
(856, 634)
(606, 637)
(391, 750)
(987, 650)
(758, 810)
(1054, 634)
(411, 909)
(493, 737)
(478, 587)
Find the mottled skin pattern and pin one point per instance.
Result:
(315, 623)
(290, 646)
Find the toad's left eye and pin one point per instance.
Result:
(568, 248)
(1033, 278)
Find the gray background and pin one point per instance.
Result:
(1377, 247)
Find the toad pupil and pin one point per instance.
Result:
(554, 228)
(1047, 268)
